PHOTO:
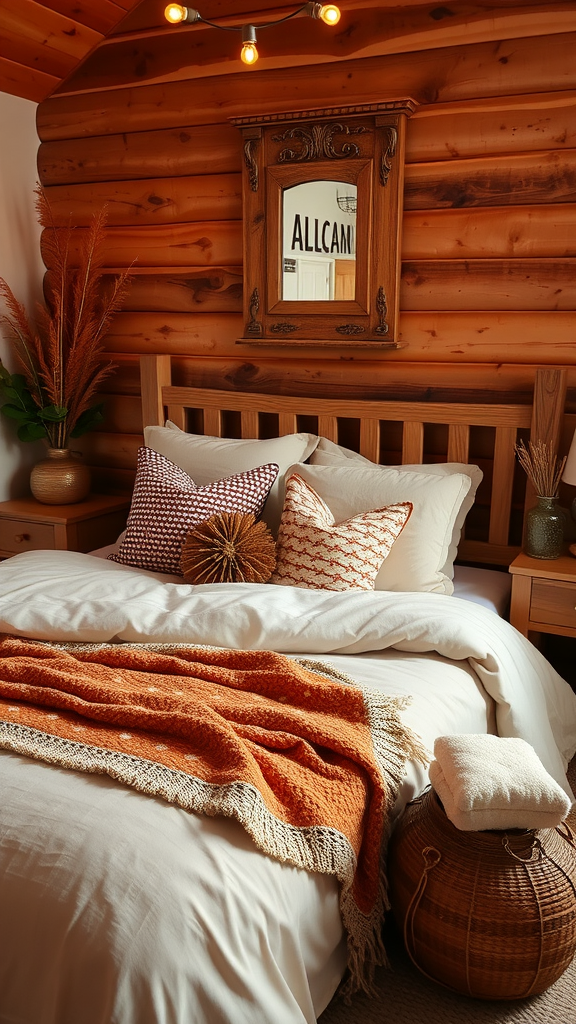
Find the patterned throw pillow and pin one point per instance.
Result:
(167, 504)
(315, 552)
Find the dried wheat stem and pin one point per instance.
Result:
(542, 466)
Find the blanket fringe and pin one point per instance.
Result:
(317, 848)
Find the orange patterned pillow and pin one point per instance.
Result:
(315, 552)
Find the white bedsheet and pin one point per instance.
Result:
(116, 907)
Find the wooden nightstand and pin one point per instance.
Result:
(544, 595)
(26, 525)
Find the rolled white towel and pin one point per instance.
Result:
(493, 782)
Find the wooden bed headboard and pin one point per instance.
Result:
(540, 420)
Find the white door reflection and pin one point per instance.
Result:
(319, 241)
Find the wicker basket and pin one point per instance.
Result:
(488, 914)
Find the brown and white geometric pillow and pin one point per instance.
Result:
(315, 552)
(166, 504)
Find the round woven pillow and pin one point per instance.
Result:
(488, 914)
(229, 547)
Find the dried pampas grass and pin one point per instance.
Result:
(542, 466)
(230, 547)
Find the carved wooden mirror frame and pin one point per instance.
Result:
(360, 145)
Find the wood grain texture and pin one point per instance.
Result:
(545, 231)
(488, 284)
(488, 243)
(186, 149)
(447, 74)
(510, 180)
(165, 289)
(495, 125)
(163, 200)
(41, 43)
(101, 16)
(199, 50)
(18, 80)
(447, 337)
(174, 245)
(328, 378)
(148, 13)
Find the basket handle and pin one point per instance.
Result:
(432, 857)
(535, 849)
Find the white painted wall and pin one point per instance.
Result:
(20, 263)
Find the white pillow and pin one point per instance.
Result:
(207, 459)
(327, 453)
(418, 555)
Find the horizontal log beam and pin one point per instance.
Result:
(177, 245)
(450, 337)
(147, 14)
(488, 284)
(213, 290)
(448, 74)
(425, 285)
(199, 50)
(196, 149)
(521, 231)
(471, 128)
(416, 381)
(164, 200)
(504, 180)
(485, 127)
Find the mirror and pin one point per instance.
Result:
(319, 241)
(322, 209)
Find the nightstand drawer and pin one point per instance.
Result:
(16, 536)
(553, 602)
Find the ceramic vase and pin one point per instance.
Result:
(544, 529)
(60, 479)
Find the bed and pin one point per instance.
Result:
(121, 906)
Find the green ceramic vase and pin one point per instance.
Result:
(544, 529)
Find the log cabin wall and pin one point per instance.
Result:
(489, 235)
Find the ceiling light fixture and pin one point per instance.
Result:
(176, 14)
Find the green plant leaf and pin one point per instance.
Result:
(53, 413)
(14, 387)
(31, 432)
(14, 412)
(88, 420)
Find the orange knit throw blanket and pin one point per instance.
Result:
(309, 765)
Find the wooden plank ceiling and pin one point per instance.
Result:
(50, 47)
(41, 43)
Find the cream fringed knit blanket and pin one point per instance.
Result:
(309, 765)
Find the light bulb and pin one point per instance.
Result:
(249, 53)
(175, 13)
(330, 14)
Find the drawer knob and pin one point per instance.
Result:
(21, 537)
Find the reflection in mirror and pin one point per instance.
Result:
(319, 241)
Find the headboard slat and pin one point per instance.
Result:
(544, 417)
(412, 442)
(177, 414)
(212, 421)
(370, 439)
(287, 423)
(502, 480)
(328, 427)
(250, 425)
(458, 442)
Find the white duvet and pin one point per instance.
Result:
(116, 908)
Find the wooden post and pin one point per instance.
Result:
(155, 373)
